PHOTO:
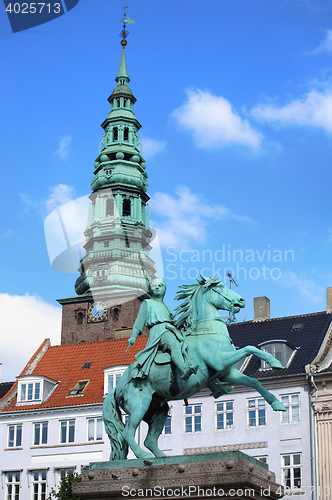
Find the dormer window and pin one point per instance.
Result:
(33, 389)
(112, 376)
(30, 392)
(282, 350)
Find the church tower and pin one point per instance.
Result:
(116, 270)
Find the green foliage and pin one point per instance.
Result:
(65, 487)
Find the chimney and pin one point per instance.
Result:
(262, 308)
(329, 299)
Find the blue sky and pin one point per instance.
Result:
(235, 102)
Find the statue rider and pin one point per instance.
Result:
(155, 314)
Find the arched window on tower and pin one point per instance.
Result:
(109, 207)
(118, 103)
(126, 206)
(126, 134)
(115, 134)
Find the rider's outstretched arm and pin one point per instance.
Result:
(139, 323)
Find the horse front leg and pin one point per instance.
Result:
(231, 358)
(236, 377)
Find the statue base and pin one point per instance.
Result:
(229, 475)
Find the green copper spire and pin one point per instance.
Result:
(117, 264)
(122, 78)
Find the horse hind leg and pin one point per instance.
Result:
(236, 377)
(136, 405)
(156, 420)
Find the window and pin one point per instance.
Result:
(40, 431)
(224, 413)
(292, 404)
(291, 471)
(67, 431)
(115, 314)
(243, 363)
(38, 484)
(95, 429)
(280, 349)
(60, 473)
(112, 376)
(79, 318)
(79, 387)
(256, 411)
(14, 436)
(12, 485)
(32, 389)
(126, 208)
(126, 134)
(168, 424)
(109, 207)
(193, 418)
(30, 392)
(115, 131)
(262, 458)
(113, 380)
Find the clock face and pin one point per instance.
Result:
(97, 312)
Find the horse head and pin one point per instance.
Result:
(202, 299)
(222, 297)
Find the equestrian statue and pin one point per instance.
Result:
(181, 356)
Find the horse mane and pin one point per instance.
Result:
(187, 293)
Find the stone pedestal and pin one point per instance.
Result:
(228, 475)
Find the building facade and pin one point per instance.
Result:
(51, 418)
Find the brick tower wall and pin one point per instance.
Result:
(118, 323)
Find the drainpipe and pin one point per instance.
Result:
(313, 437)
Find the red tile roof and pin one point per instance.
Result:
(64, 363)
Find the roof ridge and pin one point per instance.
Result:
(282, 317)
(89, 342)
(34, 356)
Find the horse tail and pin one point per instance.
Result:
(114, 427)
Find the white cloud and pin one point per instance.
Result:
(6, 235)
(59, 195)
(26, 321)
(325, 45)
(306, 287)
(151, 146)
(186, 217)
(214, 123)
(64, 227)
(313, 109)
(63, 149)
(28, 202)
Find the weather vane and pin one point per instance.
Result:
(126, 20)
(231, 279)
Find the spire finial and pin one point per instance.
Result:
(124, 33)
